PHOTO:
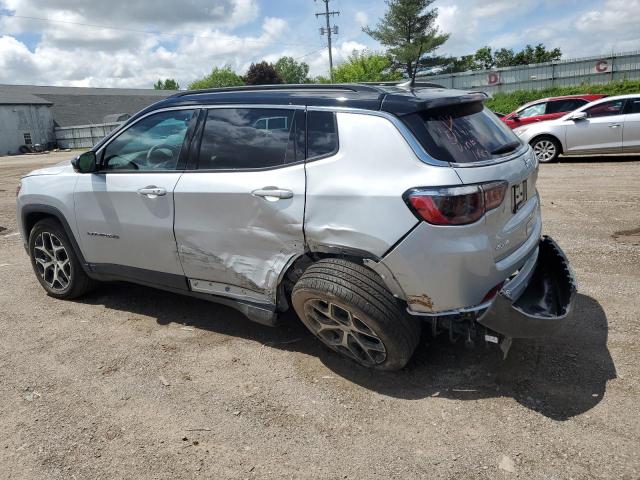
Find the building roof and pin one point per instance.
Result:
(83, 106)
(19, 98)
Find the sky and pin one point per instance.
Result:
(133, 43)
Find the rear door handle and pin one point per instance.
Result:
(274, 193)
(152, 191)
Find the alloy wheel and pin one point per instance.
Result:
(345, 332)
(52, 261)
(545, 150)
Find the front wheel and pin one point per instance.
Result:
(349, 308)
(54, 261)
(546, 149)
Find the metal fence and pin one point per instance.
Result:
(563, 73)
(83, 136)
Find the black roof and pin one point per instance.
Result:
(397, 99)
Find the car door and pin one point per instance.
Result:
(631, 132)
(240, 206)
(125, 211)
(600, 132)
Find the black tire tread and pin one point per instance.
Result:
(364, 289)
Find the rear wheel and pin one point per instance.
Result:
(55, 263)
(349, 308)
(546, 149)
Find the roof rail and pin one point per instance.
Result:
(353, 87)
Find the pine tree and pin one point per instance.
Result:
(409, 31)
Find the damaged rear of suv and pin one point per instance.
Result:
(372, 211)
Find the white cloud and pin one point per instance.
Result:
(361, 18)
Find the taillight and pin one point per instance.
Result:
(456, 205)
(18, 188)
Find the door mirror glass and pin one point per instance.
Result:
(578, 116)
(85, 163)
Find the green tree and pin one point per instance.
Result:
(483, 59)
(168, 84)
(409, 31)
(503, 57)
(218, 78)
(262, 73)
(291, 71)
(365, 67)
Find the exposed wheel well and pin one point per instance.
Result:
(31, 218)
(295, 270)
(550, 137)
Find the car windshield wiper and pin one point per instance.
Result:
(509, 147)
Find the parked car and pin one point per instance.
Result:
(378, 209)
(607, 126)
(547, 109)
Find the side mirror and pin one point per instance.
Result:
(516, 118)
(85, 163)
(577, 116)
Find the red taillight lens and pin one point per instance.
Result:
(456, 205)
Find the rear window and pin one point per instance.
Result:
(462, 133)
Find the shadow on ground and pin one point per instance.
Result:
(558, 377)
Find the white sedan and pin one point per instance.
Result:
(607, 126)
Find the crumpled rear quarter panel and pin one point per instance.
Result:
(354, 198)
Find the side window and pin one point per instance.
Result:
(153, 143)
(633, 106)
(564, 106)
(605, 109)
(322, 134)
(249, 138)
(533, 110)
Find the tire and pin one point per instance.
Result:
(64, 278)
(349, 308)
(546, 148)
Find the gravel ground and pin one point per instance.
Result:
(130, 382)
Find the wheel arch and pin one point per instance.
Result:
(299, 264)
(32, 214)
(552, 137)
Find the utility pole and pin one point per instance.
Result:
(329, 30)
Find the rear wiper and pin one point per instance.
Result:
(509, 147)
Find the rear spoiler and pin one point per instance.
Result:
(429, 100)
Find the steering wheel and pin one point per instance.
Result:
(164, 146)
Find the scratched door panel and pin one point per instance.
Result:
(229, 236)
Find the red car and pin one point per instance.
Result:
(547, 109)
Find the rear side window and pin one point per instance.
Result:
(322, 134)
(606, 109)
(563, 106)
(462, 133)
(633, 105)
(251, 138)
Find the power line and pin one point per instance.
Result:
(145, 32)
(329, 30)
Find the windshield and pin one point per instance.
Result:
(462, 133)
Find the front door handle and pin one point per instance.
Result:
(614, 125)
(272, 193)
(152, 191)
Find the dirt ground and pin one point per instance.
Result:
(130, 382)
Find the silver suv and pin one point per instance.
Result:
(370, 210)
